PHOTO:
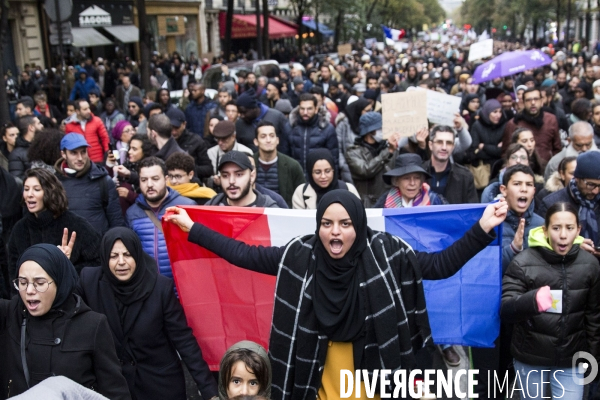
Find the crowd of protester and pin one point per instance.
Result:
(91, 163)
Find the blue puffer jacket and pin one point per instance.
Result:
(509, 228)
(81, 90)
(317, 133)
(153, 241)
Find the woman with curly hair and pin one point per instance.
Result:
(44, 150)
(49, 221)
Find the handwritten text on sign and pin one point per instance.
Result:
(404, 113)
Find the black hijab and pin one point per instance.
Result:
(57, 265)
(338, 302)
(353, 111)
(312, 158)
(142, 282)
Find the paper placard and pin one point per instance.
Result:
(370, 42)
(481, 50)
(557, 302)
(344, 49)
(404, 113)
(441, 107)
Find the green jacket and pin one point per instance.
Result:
(290, 176)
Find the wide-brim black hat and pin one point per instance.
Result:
(405, 164)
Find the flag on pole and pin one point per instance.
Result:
(393, 34)
(225, 304)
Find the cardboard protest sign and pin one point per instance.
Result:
(481, 50)
(344, 49)
(441, 107)
(404, 113)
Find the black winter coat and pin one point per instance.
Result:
(45, 228)
(317, 133)
(549, 339)
(18, 162)
(153, 332)
(460, 188)
(490, 135)
(564, 194)
(245, 133)
(196, 147)
(94, 197)
(74, 342)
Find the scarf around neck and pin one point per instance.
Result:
(587, 213)
(394, 198)
(390, 294)
(536, 121)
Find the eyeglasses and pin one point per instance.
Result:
(175, 177)
(443, 142)
(532, 100)
(590, 185)
(40, 285)
(519, 158)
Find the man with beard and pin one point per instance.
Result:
(90, 190)
(91, 127)
(561, 79)
(568, 93)
(251, 112)
(236, 173)
(160, 135)
(553, 107)
(193, 144)
(412, 78)
(543, 125)
(145, 215)
(195, 113)
(18, 162)
(311, 130)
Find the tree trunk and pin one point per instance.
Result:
(567, 31)
(370, 11)
(317, 31)
(557, 21)
(535, 29)
(338, 28)
(228, 27)
(266, 49)
(300, 28)
(588, 23)
(4, 112)
(259, 49)
(144, 44)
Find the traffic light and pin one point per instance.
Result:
(467, 27)
(493, 30)
(505, 27)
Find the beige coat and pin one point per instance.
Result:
(308, 199)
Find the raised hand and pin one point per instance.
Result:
(179, 217)
(67, 247)
(493, 215)
(519, 234)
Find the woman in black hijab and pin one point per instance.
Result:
(322, 178)
(47, 330)
(146, 320)
(328, 298)
(469, 108)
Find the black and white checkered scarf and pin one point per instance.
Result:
(396, 323)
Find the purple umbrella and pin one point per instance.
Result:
(510, 63)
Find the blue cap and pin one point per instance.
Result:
(72, 141)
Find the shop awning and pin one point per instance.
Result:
(88, 37)
(124, 33)
(244, 26)
(323, 29)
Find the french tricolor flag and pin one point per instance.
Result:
(225, 304)
(393, 34)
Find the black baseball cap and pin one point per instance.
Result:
(238, 158)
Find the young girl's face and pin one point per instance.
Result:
(242, 382)
(562, 231)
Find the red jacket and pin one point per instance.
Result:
(95, 134)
